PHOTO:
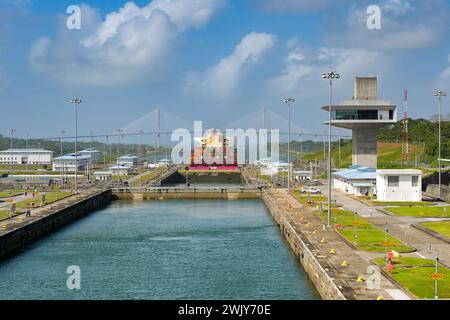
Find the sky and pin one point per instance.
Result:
(212, 60)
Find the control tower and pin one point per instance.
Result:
(364, 115)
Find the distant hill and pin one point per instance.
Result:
(423, 136)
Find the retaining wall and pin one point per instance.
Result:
(299, 244)
(14, 241)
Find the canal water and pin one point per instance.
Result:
(176, 249)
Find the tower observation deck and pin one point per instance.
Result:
(364, 115)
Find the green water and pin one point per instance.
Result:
(162, 250)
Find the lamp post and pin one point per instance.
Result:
(119, 131)
(289, 101)
(61, 134)
(330, 76)
(439, 94)
(11, 132)
(76, 102)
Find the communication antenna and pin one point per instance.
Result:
(405, 145)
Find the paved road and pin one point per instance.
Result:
(400, 227)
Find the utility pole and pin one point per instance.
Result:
(330, 76)
(12, 131)
(439, 94)
(289, 101)
(158, 128)
(77, 102)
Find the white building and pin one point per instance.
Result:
(120, 170)
(94, 154)
(103, 176)
(128, 160)
(67, 162)
(399, 185)
(273, 168)
(357, 180)
(26, 156)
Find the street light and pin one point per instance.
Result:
(61, 134)
(330, 76)
(11, 132)
(289, 101)
(439, 94)
(119, 131)
(76, 101)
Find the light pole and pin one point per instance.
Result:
(76, 101)
(289, 101)
(12, 131)
(119, 131)
(330, 76)
(439, 94)
(436, 295)
(61, 134)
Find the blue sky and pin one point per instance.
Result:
(211, 60)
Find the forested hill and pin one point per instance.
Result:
(421, 131)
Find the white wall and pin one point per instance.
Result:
(404, 192)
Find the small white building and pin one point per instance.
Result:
(120, 170)
(67, 162)
(357, 180)
(273, 168)
(302, 175)
(94, 154)
(26, 156)
(128, 160)
(399, 185)
(103, 176)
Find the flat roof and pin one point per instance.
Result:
(72, 157)
(399, 172)
(357, 173)
(25, 150)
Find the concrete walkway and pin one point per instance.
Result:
(21, 220)
(305, 221)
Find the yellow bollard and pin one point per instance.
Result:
(345, 264)
(360, 279)
(315, 232)
(323, 240)
(333, 251)
(308, 225)
(379, 298)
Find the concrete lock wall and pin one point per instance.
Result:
(322, 281)
(191, 193)
(364, 147)
(16, 240)
(434, 190)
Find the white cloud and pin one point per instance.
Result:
(304, 76)
(403, 26)
(289, 5)
(126, 45)
(446, 73)
(221, 79)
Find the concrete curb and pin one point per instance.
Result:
(431, 232)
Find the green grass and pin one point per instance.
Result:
(441, 227)
(417, 211)
(10, 193)
(50, 197)
(400, 204)
(315, 199)
(4, 214)
(369, 237)
(414, 275)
